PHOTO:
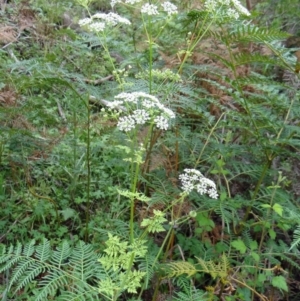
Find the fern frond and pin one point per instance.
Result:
(50, 283)
(215, 270)
(11, 257)
(296, 240)
(59, 271)
(87, 295)
(175, 269)
(243, 58)
(183, 283)
(43, 251)
(29, 249)
(20, 270)
(251, 33)
(32, 271)
(147, 265)
(193, 295)
(59, 256)
(83, 261)
(293, 262)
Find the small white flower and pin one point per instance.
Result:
(161, 122)
(211, 5)
(84, 21)
(127, 97)
(126, 123)
(115, 104)
(149, 9)
(188, 187)
(232, 13)
(148, 104)
(193, 179)
(132, 1)
(240, 8)
(140, 116)
(212, 193)
(169, 8)
(144, 107)
(99, 16)
(111, 18)
(169, 112)
(226, 5)
(97, 26)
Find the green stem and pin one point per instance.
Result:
(201, 33)
(132, 202)
(257, 187)
(88, 157)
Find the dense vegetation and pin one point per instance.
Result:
(149, 151)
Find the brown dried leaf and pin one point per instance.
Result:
(26, 18)
(8, 34)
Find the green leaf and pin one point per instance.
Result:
(278, 209)
(266, 206)
(255, 256)
(68, 213)
(272, 234)
(280, 283)
(239, 245)
(253, 245)
(205, 222)
(261, 278)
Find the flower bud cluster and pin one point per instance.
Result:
(160, 75)
(99, 21)
(193, 179)
(230, 8)
(144, 108)
(150, 9)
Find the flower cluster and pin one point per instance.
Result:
(232, 8)
(193, 179)
(144, 107)
(150, 9)
(159, 75)
(169, 8)
(132, 2)
(99, 21)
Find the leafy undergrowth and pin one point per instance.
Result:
(153, 156)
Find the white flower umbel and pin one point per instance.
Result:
(149, 9)
(111, 19)
(161, 122)
(240, 8)
(96, 26)
(140, 116)
(169, 8)
(226, 8)
(193, 179)
(126, 123)
(132, 1)
(232, 13)
(141, 108)
(85, 21)
(99, 21)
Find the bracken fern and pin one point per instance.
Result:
(66, 273)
